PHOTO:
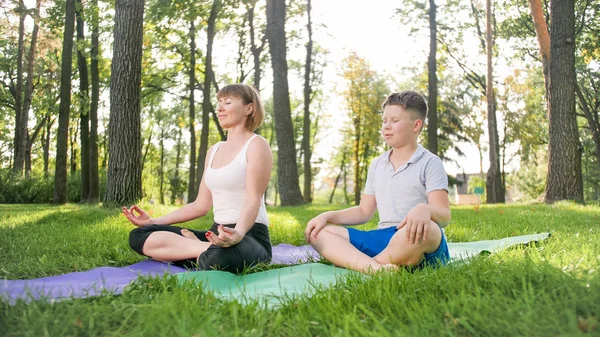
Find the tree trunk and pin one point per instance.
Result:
(206, 89)
(192, 190)
(94, 181)
(543, 37)
(46, 144)
(432, 125)
(592, 121)
(19, 143)
(83, 105)
(287, 169)
(306, 127)
(565, 181)
(346, 197)
(73, 133)
(254, 47)
(161, 170)
(105, 145)
(29, 89)
(357, 146)
(337, 179)
(494, 190)
(124, 181)
(60, 171)
(175, 183)
(146, 149)
(30, 141)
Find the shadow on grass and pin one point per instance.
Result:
(66, 238)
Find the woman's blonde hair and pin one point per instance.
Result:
(248, 95)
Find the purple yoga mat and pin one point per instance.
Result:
(114, 279)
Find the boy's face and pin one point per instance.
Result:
(398, 127)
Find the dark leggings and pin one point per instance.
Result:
(254, 248)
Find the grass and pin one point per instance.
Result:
(548, 289)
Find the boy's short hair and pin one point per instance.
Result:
(411, 101)
(248, 95)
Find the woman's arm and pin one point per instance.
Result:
(258, 173)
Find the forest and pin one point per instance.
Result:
(113, 102)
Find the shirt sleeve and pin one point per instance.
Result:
(435, 176)
(369, 185)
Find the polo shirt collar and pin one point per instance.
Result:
(419, 152)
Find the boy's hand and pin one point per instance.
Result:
(416, 222)
(314, 226)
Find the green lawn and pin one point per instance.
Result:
(550, 289)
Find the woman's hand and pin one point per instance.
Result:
(227, 237)
(142, 219)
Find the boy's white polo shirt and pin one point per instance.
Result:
(398, 191)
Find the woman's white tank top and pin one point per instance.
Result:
(228, 188)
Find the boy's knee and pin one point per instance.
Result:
(336, 230)
(431, 229)
(327, 233)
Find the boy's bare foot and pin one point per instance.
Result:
(188, 234)
(389, 267)
(372, 269)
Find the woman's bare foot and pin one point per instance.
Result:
(188, 234)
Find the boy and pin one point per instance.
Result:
(408, 186)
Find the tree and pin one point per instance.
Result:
(287, 169)
(192, 189)
(27, 97)
(206, 89)
(432, 127)
(94, 183)
(60, 170)
(83, 104)
(306, 135)
(543, 37)
(364, 93)
(255, 47)
(494, 185)
(124, 181)
(19, 144)
(565, 181)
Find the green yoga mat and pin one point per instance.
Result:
(273, 286)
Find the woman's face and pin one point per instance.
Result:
(233, 112)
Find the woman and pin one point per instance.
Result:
(237, 172)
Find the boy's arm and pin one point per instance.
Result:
(354, 215)
(350, 216)
(439, 206)
(437, 209)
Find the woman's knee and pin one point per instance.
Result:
(228, 259)
(137, 238)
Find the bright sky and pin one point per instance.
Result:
(376, 34)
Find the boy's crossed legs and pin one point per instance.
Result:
(336, 245)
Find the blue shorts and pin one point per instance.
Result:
(374, 242)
